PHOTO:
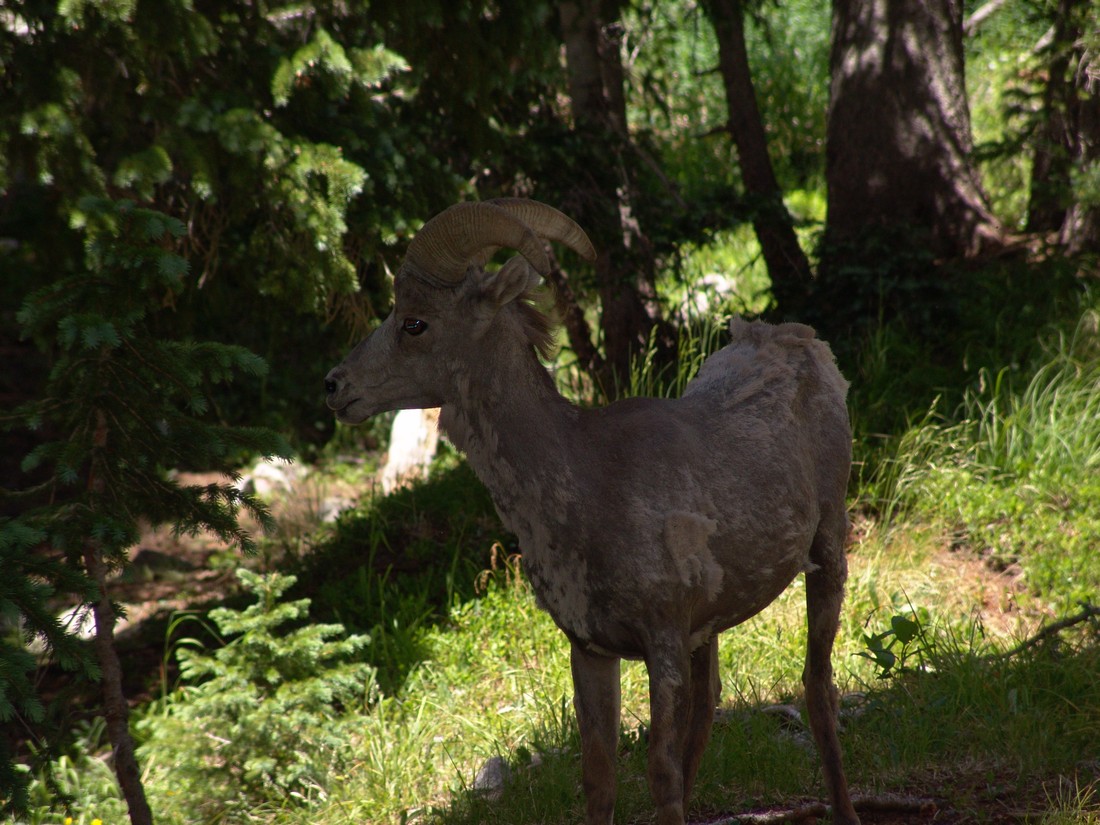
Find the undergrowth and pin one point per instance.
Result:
(260, 723)
(392, 566)
(1012, 474)
(491, 679)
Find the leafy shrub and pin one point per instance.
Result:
(906, 639)
(263, 721)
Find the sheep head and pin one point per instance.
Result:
(445, 302)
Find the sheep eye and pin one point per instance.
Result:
(413, 326)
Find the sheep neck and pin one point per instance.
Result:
(513, 425)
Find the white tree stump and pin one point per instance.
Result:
(414, 438)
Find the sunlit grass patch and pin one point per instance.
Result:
(726, 275)
(1013, 474)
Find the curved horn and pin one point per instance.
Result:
(549, 223)
(448, 243)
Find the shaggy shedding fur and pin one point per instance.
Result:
(540, 317)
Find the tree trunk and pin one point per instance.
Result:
(898, 141)
(625, 267)
(116, 710)
(787, 264)
(1080, 230)
(1050, 188)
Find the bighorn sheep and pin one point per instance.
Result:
(648, 526)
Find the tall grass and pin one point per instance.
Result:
(697, 340)
(1051, 427)
(1013, 473)
(1013, 717)
(1046, 432)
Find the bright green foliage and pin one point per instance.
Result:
(82, 776)
(907, 638)
(1014, 474)
(1006, 102)
(1010, 62)
(369, 68)
(676, 93)
(121, 406)
(262, 721)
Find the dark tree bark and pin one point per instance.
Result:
(116, 711)
(625, 267)
(1080, 232)
(1080, 229)
(787, 264)
(1050, 187)
(898, 142)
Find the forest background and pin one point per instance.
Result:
(200, 207)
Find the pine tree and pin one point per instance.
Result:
(262, 720)
(30, 579)
(121, 406)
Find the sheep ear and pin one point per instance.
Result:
(510, 281)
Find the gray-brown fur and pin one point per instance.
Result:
(649, 526)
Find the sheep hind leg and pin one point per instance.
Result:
(706, 687)
(824, 595)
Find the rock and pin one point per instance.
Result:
(791, 726)
(331, 508)
(853, 706)
(708, 292)
(788, 716)
(270, 476)
(492, 778)
(149, 565)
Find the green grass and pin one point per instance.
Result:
(1014, 473)
(497, 682)
(490, 676)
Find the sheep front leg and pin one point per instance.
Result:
(596, 702)
(670, 704)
